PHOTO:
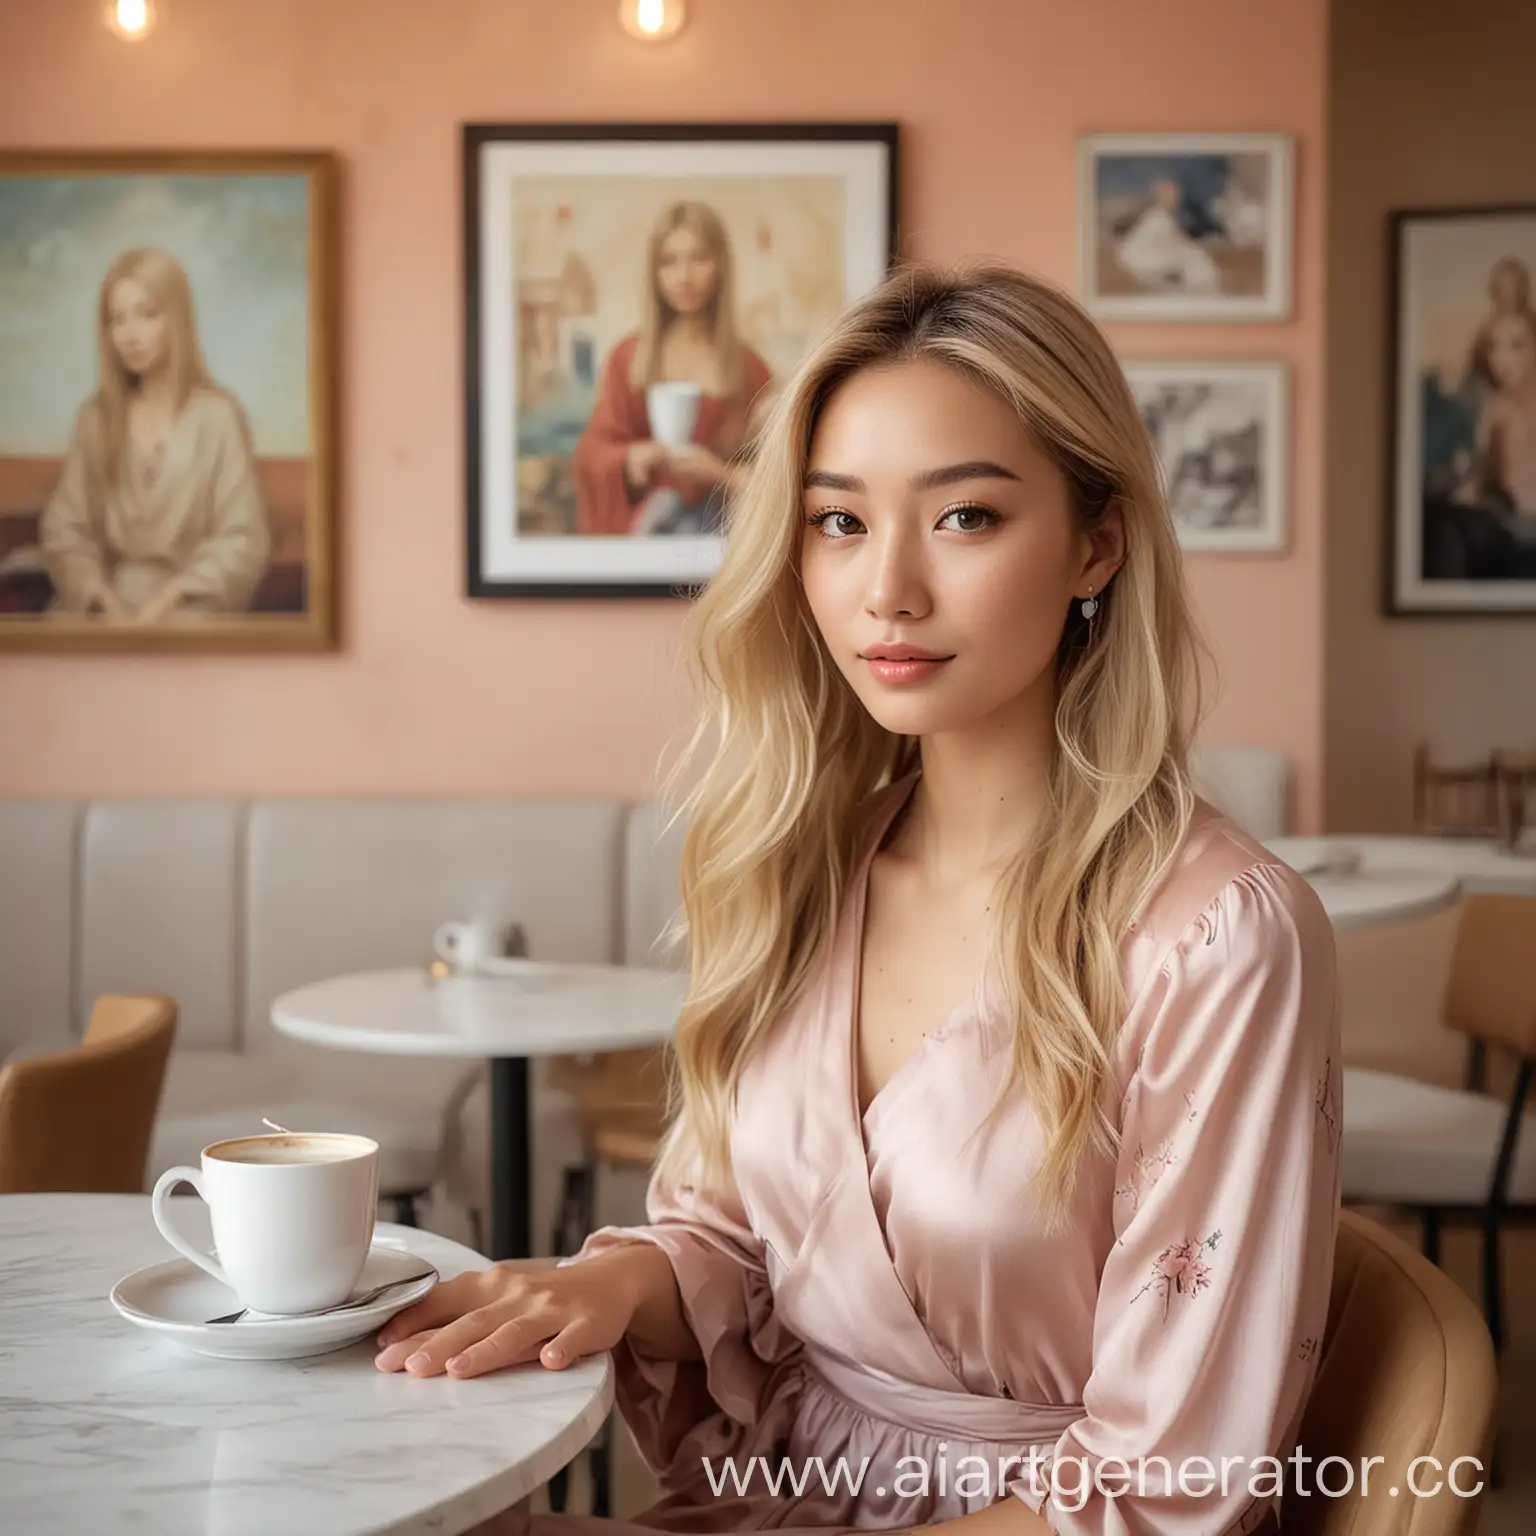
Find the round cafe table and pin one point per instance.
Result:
(1370, 900)
(107, 1427)
(539, 1009)
(1479, 864)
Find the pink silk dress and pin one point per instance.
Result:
(880, 1288)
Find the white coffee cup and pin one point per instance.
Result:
(468, 943)
(673, 410)
(292, 1216)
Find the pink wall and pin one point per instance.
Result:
(433, 693)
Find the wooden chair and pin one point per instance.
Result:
(1516, 796)
(81, 1119)
(621, 1097)
(1455, 802)
(1407, 1370)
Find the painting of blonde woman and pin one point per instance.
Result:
(637, 296)
(678, 395)
(163, 449)
(1463, 523)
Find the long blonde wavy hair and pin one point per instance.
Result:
(165, 280)
(701, 221)
(790, 756)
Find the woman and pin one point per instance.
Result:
(1158, 252)
(158, 510)
(1009, 1071)
(626, 481)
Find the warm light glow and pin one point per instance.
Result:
(132, 20)
(652, 20)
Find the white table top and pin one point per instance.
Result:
(1480, 864)
(1371, 900)
(561, 1010)
(107, 1427)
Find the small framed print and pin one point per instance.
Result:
(1222, 434)
(168, 364)
(1185, 226)
(1461, 524)
(635, 295)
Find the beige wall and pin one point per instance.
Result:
(435, 694)
(1431, 104)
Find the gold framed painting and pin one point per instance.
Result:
(167, 401)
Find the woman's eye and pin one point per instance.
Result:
(833, 524)
(969, 519)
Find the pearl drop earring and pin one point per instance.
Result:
(1090, 605)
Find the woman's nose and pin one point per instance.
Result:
(897, 585)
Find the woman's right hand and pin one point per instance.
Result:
(505, 1316)
(105, 601)
(641, 461)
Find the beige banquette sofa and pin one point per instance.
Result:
(224, 904)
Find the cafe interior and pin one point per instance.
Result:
(334, 789)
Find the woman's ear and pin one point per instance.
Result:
(1106, 549)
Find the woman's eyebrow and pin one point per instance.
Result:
(928, 480)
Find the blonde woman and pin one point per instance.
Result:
(626, 481)
(1006, 1148)
(158, 509)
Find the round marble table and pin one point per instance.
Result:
(109, 1428)
(1480, 865)
(1369, 900)
(544, 1009)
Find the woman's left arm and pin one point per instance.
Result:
(230, 560)
(1213, 1300)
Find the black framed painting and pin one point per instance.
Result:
(635, 295)
(1461, 520)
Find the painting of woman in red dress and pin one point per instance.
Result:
(626, 481)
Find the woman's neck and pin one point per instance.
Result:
(983, 789)
(693, 330)
(153, 389)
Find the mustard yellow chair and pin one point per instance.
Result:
(1407, 1371)
(81, 1119)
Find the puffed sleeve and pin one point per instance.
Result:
(1214, 1296)
(680, 1411)
(229, 561)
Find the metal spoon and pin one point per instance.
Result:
(365, 1300)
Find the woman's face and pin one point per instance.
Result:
(1511, 350)
(936, 525)
(1167, 194)
(686, 272)
(136, 327)
(1510, 286)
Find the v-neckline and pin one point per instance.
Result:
(859, 908)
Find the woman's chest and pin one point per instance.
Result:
(687, 359)
(944, 1155)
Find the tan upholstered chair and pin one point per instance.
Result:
(81, 1119)
(1407, 1370)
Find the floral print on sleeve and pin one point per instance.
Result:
(1180, 1269)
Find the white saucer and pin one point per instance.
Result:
(177, 1299)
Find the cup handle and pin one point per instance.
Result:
(163, 1187)
(447, 939)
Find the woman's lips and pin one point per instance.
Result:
(918, 669)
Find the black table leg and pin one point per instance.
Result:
(511, 1160)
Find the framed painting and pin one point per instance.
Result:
(167, 377)
(634, 295)
(1222, 433)
(1185, 226)
(1461, 520)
